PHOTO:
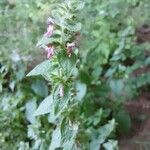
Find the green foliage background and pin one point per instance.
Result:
(106, 45)
(21, 24)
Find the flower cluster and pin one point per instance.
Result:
(50, 49)
(50, 30)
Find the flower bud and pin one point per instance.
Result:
(50, 30)
(50, 51)
(70, 47)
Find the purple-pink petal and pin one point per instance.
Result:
(50, 30)
(50, 51)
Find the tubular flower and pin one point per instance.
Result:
(50, 30)
(70, 47)
(50, 51)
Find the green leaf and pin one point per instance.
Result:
(12, 85)
(30, 109)
(45, 106)
(46, 41)
(81, 90)
(1, 87)
(85, 77)
(80, 5)
(116, 86)
(106, 130)
(67, 63)
(20, 74)
(41, 69)
(147, 61)
(124, 121)
(95, 118)
(52, 117)
(111, 145)
(142, 79)
(76, 5)
(56, 139)
(60, 105)
(73, 27)
(69, 134)
(101, 135)
(104, 49)
(116, 57)
(110, 72)
(98, 116)
(40, 88)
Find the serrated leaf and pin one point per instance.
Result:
(59, 106)
(45, 106)
(66, 62)
(69, 134)
(41, 69)
(73, 27)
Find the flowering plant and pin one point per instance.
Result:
(80, 62)
(62, 71)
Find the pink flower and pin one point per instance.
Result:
(70, 47)
(50, 30)
(50, 51)
(61, 91)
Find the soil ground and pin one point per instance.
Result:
(138, 137)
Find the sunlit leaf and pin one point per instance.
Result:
(81, 90)
(56, 139)
(30, 109)
(45, 106)
(40, 88)
(41, 69)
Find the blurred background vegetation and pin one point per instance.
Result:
(21, 24)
